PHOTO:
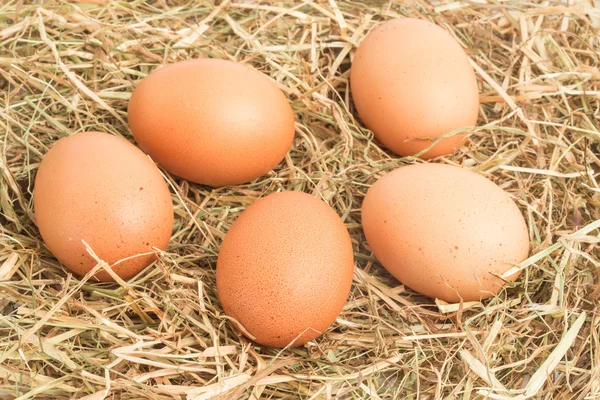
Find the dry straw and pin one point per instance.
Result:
(66, 68)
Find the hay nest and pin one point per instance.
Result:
(69, 68)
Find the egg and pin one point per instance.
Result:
(444, 231)
(101, 189)
(285, 269)
(210, 121)
(412, 83)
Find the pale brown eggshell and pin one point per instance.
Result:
(444, 231)
(285, 268)
(411, 83)
(212, 121)
(103, 190)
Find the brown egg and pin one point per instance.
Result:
(212, 121)
(411, 83)
(101, 189)
(444, 231)
(285, 268)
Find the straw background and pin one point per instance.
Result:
(70, 67)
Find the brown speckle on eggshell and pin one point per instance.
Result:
(444, 231)
(101, 189)
(285, 268)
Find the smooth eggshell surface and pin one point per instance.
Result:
(211, 121)
(101, 189)
(285, 268)
(412, 82)
(444, 231)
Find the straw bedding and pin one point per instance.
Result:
(66, 68)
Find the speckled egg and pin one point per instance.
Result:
(101, 189)
(210, 121)
(411, 84)
(444, 231)
(285, 269)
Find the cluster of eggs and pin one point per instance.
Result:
(285, 267)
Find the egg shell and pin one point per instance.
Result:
(285, 268)
(101, 189)
(212, 121)
(444, 231)
(412, 82)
